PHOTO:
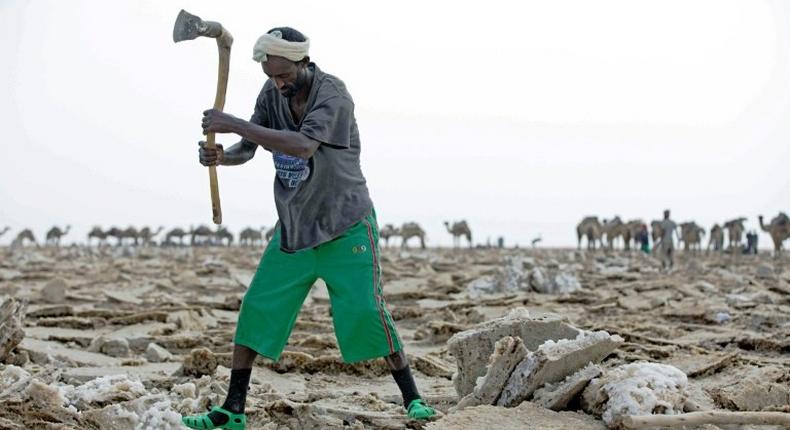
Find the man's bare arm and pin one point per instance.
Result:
(284, 141)
(239, 153)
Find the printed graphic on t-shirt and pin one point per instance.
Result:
(291, 170)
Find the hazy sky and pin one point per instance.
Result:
(520, 117)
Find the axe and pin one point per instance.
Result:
(188, 27)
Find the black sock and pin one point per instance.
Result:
(237, 396)
(406, 384)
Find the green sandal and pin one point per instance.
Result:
(203, 422)
(418, 410)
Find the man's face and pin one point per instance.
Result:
(288, 77)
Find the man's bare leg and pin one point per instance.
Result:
(397, 361)
(398, 364)
(243, 357)
(240, 374)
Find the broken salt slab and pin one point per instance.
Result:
(508, 352)
(49, 397)
(553, 361)
(146, 413)
(106, 389)
(472, 348)
(557, 396)
(13, 380)
(160, 416)
(636, 389)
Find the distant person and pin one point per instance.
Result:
(751, 243)
(666, 245)
(643, 238)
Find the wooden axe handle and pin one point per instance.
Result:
(224, 43)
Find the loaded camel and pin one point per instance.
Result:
(54, 234)
(716, 240)
(592, 229)
(634, 227)
(97, 233)
(691, 235)
(251, 237)
(131, 233)
(615, 228)
(656, 231)
(175, 233)
(116, 233)
(387, 232)
(409, 230)
(735, 230)
(202, 235)
(121, 234)
(222, 234)
(270, 233)
(147, 236)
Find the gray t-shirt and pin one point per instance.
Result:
(328, 194)
(668, 226)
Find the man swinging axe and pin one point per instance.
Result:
(327, 224)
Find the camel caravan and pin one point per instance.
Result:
(409, 232)
(599, 234)
(607, 234)
(146, 236)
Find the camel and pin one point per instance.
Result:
(23, 235)
(121, 234)
(409, 230)
(691, 235)
(617, 228)
(117, 233)
(387, 232)
(175, 233)
(592, 229)
(54, 234)
(458, 229)
(779, 229)
(132, 233)
(251, 237)
(201, 235)
(223, 234)
(4, 231)
(146, 235)
(735, 230)
(656, 231)
(634, 227)
(96, 232)
(716, 238)
(270, 233)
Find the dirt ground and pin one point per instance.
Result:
(92, 313)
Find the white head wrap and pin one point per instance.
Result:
(274, 44)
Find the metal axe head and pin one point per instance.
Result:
(188, 27)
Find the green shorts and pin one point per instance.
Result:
(349, 265)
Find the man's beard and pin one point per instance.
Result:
(291, 90)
